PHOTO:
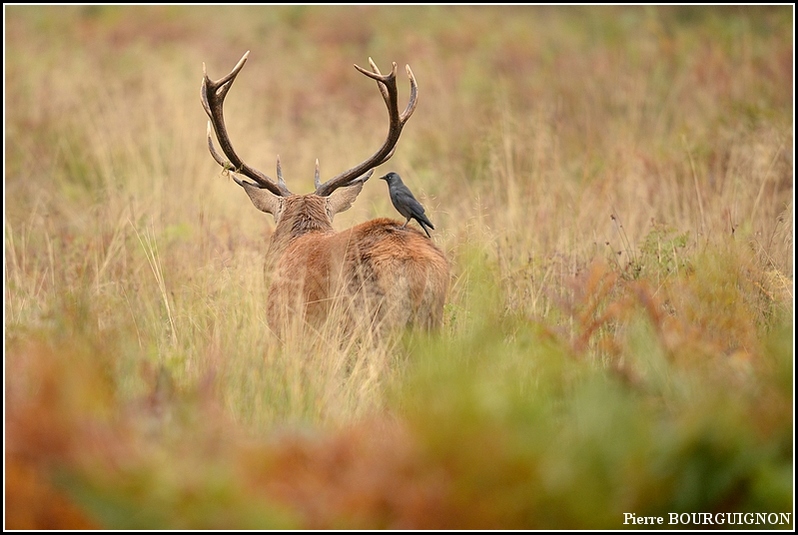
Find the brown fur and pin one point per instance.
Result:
(377, 272)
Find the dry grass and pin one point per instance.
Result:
(613, 187)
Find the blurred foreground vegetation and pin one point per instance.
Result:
(613, 187)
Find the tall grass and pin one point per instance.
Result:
(613, 187)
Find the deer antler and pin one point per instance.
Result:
(387, 87)
(213, 94)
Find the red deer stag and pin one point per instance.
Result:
(378, 272)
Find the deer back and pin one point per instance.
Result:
(376, 272)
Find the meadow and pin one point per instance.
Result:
(614, 190)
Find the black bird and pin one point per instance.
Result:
(405, 203)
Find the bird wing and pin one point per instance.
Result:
(413, 208)
(405, 196)
(423, 219)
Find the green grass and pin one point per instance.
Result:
(612, 186)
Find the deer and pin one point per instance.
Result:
(379, 273)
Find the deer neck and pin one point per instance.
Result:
(301, 215)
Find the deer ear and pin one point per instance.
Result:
(341, 199)
(263, 199)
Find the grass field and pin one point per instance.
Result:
(612, 186)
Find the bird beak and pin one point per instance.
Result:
(383, 177)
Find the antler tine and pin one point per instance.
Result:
(387, 86)
(380, 79)
(411, 104)
(413, 100)
(212, 96)
(316, 181)
(216, 156)
(280, 181)
(363, 178)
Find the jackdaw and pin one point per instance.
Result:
(405, 203)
